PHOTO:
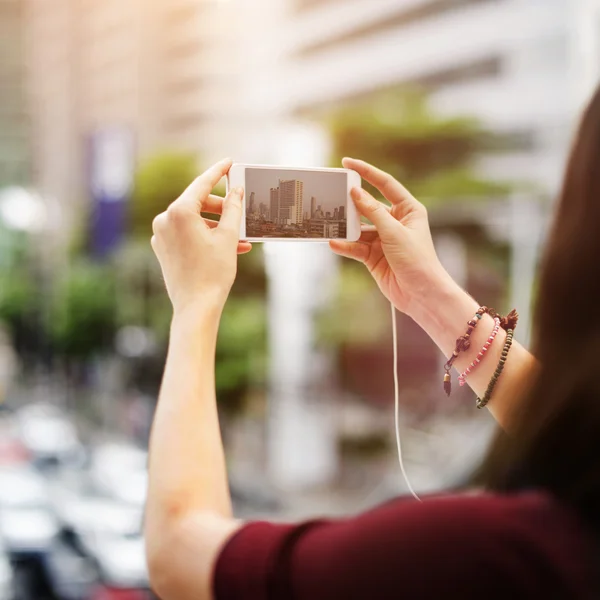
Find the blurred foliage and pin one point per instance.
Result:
(142, 299)
(432, 155)
(366, 446)
(83, 320)
(241, 350)
(17, 297)
(355, 294)
(159, 181)
(20, 307)
(241, 362)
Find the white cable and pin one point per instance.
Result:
(396, 404)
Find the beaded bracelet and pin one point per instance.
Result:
(462, 343)
(481, 402)
(463, 376)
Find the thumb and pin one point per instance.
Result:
(232, 211)
(387, 226)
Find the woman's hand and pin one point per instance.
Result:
(399, 252)
(198, 257)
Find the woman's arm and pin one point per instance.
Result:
(188, 514)
(443, 313)
(401, 257)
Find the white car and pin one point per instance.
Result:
(26, 523)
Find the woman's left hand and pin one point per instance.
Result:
(198, 257)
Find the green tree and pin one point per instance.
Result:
(20, 311)
(158, 182)
(83, 311)
(432, 155)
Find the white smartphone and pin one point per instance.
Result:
(296, 203)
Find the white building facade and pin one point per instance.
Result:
(505, 62)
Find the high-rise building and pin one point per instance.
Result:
(262, 209)
(14, 109)
(251, 204)
(313, 207)
(291, 193)
(335, 214)
(328, 215)
(342, 213)
(274, 205)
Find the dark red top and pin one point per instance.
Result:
(484, 546)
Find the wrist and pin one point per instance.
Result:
(436, 290)
(443, 310)
(203, 314)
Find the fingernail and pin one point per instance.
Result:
(357, 193)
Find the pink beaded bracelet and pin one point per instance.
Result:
(463, 376)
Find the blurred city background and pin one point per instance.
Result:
(108, 108)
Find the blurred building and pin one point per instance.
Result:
(505, 62)
(225, 77)
(145, 67)
(14, 114)
(585, 35)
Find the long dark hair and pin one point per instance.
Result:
(555, 442)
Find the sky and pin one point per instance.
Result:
(330, 189)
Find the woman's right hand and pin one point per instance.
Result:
(399, 250)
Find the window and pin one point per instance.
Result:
(472, 71)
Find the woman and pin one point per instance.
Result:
(535, 529)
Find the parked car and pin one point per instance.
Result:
(120, 470)
(99, 552)
(50, 435)
(27, 528)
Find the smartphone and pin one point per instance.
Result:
(296, 203)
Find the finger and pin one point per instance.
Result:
(197, 193)
(232, 211)
(213, 205)
(243, 247)
(368, 236)
(390, 187)
(387, 226)
(356, 250)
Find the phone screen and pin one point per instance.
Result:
(290, 203)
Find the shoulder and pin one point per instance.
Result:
(526, 544)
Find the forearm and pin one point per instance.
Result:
(187, 465)
(443, 313)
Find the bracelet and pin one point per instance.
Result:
(463, 376)
(481, 402)
(462, 343)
